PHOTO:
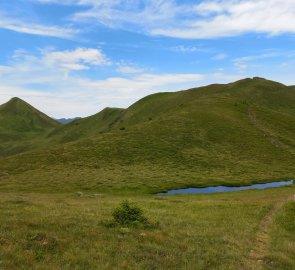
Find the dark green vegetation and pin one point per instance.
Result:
(129, 215)
(237, 133)
(53, 218)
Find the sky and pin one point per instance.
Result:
(73, 58)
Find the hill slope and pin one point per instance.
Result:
(20, 125)
(85, 127)
(237, 133)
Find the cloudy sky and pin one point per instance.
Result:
(75, 57)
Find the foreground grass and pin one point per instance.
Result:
(67, 231)
(282, 251)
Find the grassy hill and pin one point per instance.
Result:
(20, 126)
(236, 133)
(85, 127)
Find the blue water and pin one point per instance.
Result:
(225, 188)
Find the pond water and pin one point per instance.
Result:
(218, 189)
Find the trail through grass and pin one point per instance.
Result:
(261, 245)
(67, 231)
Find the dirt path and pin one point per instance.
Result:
(260, 247)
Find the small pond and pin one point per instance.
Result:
(225, 188)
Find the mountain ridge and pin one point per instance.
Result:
(237, 133)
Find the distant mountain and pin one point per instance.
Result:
(67, 120)
(234, 133)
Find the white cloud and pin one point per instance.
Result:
(185, 49)
(38, 80)
(78, 59)
(231, 17)
(128, 13)
(51, 63)
(208, 19)
(242, 63)
(35, 29)
(219, 57)
(129, 69)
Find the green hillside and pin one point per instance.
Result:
(20, 125)
(85, 127)
(237, 133)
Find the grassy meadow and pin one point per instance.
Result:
(220, 231)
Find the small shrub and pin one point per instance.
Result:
(129, 215)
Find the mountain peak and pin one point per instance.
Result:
(16, 99)
(17, 106)
(16, 115)
(257, 82)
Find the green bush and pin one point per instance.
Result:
(129, 215)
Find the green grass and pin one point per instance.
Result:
(67, 231)
(86, 127)
(282, 250)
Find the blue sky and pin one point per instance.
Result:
(75, 57)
